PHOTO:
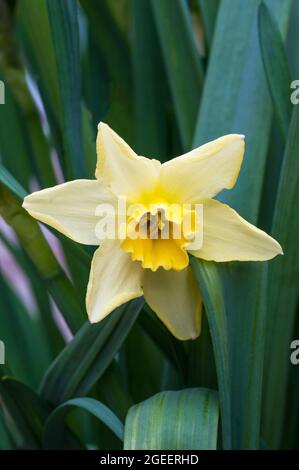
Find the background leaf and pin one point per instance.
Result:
(54, 427)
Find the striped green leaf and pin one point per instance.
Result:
(187, 419)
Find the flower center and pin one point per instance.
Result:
(156, 239)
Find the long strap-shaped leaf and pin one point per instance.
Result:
(211, 289)
(276, 67)
(88, 355)
(53, 437)
(183, 64)
(283, 289)
(209, 14)
(149, 86)
(241, 104)
(11, 183)
(186, 419)
(65, 33)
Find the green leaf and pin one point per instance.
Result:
(42, 257)
(11, 183)
(243, 98)
(14, 145)
(149, 87)
(5, 443)
(113, 55)
(276, 67)
(87, 356)
(170, 347)
(65, 36)
(23, 109)
(54, 427)
(209, 15)
(211, 290)
(245, 296)
(282, 289)
(140, 385)
(51, 31)
(241, 94)
(25, 413)
(17, 322)
(182, 60)
(187, 419)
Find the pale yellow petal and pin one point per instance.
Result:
(228, 237)
(175, 298)
(70, 208)
(121, 170)
(204, 171)
(114, 279)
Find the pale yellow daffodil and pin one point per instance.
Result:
(123, 269)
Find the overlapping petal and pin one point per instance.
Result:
(174, 297)
(228, 237)
(70, 208)
(121, 169)
(114, 279)
(203, 172)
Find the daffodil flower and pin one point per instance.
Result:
(123, 269)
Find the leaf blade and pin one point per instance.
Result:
(186, 419)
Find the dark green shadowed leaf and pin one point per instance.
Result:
(87, 356)
(14, 145)
(201, 360)
(209, 10)
(276, 67)
(54, 428)
(149, 84)
(182, 61)
(18, 322)
(25, 413)
(65, 35)
(5, 443)
(113, 55)
(170, 347)
(187, 419)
